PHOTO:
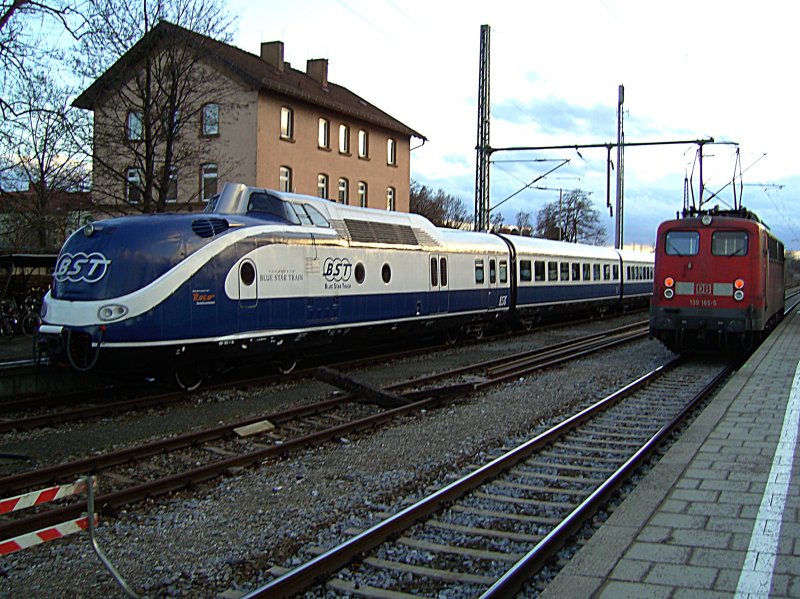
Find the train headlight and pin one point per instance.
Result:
(668, 293)
(669, 282)
(111, 312)
(706, 220)
(738, 295)
(739, 283)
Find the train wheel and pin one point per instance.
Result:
(451, 336)
(188, 377)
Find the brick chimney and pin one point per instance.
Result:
(317, 69)
(272, 52)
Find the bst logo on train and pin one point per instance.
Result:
(337, 269)
(81, 267)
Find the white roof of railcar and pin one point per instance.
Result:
(634, 256)
(548, 247)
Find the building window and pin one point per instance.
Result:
(287, 123)
(210, 120)
(344, 139)
(324, 134)
(391, 152)
(285, 177)
(390, 198)
(133, 126)
(172, 186)
(344, 191)
(172, 121)
(362, 194)
(133, 192)
(322, 186)
(208, 181)
(363, 144)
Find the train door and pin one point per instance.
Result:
(439, 284)
(494, 284)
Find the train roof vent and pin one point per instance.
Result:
(208, 227)
(370, 232)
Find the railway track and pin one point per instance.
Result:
(224, 448)
(489, 532)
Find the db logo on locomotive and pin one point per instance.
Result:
(81, 267)
(337, 269)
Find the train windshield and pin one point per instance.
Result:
(729, 243)
(268, 207)
(682, 243)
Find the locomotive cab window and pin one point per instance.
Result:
(268, 207)
(729, 243)
(681, 243)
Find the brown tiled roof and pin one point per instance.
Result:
(251, 70)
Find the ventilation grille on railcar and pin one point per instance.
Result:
(208, 227)
(370, 232)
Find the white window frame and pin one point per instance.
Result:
(208, 173)
(285, 178)
(133, 181)
(287, 123)
(363, 143)
(134, 125)
(344, 139)
(344, 191)
(322, 186)
(363, 190)
(391, 194)
(391, 152)
(210, 126)
(324, 137)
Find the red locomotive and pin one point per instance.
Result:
(719, 281)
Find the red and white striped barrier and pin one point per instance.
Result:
(20, 502)
(46, 534)
(26, 500)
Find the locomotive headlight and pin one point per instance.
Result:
(739, 284)
(668, 293)
(111, 312)
(706, 220)
(738, 295)
(669, 282)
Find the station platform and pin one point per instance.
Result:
(718, 515)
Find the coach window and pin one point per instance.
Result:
(576, 271)
(443, 271)
(681, 243)
(525, 273)
(616, 272)
(503, 271)
(564, 269)
(434, 272)
(587, 272)
(606, 272)
(479, 271)
(596, 272)
(552, 271)
(729, 243)
(386, 273)
(538, 270)
(492, 271)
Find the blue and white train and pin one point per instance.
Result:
(267, 274)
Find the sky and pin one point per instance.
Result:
(697, 69)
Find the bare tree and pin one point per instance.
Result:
(572, 218)
(439, 207)
(153, 66)
(45, 169)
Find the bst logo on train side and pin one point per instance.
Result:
(78, 267)
(337, 269)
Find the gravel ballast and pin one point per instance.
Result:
(221, 538)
